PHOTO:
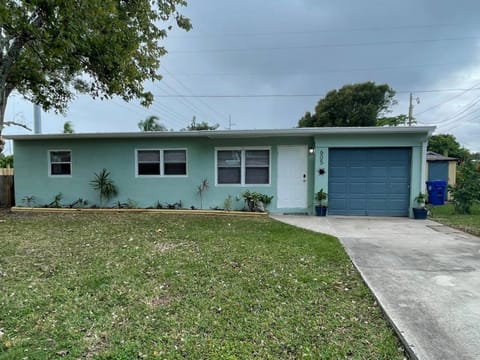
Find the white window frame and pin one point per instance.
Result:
(49, 154)
(242, 150)
(162, 163)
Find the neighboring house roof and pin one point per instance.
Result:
(426, 130)
(433, 156)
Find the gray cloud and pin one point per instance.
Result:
(304, 47)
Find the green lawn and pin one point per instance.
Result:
(127, 286)
(468, 223)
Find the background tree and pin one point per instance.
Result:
(151, 123)
(447, 144)
(6, 161)
(49, 49)
(68, 127)
(352, 105)
(201, 126)
(467, 188)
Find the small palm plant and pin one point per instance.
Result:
(104, 185)
(201, 190)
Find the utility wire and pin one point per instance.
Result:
(302, 95)
(319, 46)
(319, 31)
(185, 87)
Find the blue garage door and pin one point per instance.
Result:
(374, 181)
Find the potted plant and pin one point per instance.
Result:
(420, 212)
(321, 208)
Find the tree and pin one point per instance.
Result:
(201, 126)
(6, 161)
(394, 120)
(352, 105)
(447, 144)
(104, 48)
(151, 123)
(467, 188)
(68, 128)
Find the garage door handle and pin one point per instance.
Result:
(304, 177)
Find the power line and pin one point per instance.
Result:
(298, 95)
(325, 71)
(190, 92)
(474, 87)
(319, 31)
(303, 47)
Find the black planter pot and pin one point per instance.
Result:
(420, 213)
(321, 210)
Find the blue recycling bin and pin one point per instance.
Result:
(436, 191)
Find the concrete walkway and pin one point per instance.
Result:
(426, 276)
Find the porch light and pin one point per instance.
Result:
(311, 150)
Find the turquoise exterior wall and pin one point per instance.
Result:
(413, 141)
(117, 155)
(90, 156)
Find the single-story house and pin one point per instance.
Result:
(372, 171)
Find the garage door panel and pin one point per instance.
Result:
(358, 171)
(377, 188)
(378, 171)
(358, 204)
(338, 171)
(357, 188)
(369, 181)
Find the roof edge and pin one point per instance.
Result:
(426, 130)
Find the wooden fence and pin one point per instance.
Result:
(7, 198)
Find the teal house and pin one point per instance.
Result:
(368, 171)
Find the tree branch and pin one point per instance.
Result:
(10, 123)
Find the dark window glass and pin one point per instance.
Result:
(148, 162)
(60, 163)
(257, 175)
(175, 162)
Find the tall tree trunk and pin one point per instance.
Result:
(3, 107)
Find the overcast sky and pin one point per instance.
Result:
(264, 63)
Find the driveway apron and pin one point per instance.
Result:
(425, 276)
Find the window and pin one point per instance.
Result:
(162, 162)
(60, 162)
(243, 166)
(257, 166)
(148, 162)
(229, 163)
(174, 162)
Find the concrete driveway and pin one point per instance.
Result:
(426, 276)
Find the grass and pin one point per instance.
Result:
(468, 223)
(126, 286)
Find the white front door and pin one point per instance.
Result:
(292, 177)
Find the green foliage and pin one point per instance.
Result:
(29, 201)
(352, 105)
(321, 197)
(227, 203)
(151, 123)
(56, 201)
(104, 185)
(421, 199)
(68, 127)
(467, 188)
(201, 126)
(49, 50)
(399, 120)
(6, 161)
(253, 199)
(447, 145)
(201, 190)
